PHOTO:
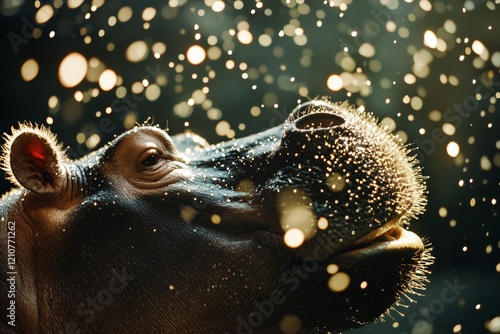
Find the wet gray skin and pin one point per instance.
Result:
(298, 229)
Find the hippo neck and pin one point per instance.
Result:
(32, 219)
(23, 272)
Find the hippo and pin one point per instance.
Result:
(302, 228)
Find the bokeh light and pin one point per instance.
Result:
(72, 69)
(107, 80)
(29, 70)
(196, 54)
(137, 51)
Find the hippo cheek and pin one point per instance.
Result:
(177, 266)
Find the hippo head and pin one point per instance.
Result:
(298, 229)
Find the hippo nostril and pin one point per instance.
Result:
(318, 120)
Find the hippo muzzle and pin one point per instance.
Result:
(302, 228)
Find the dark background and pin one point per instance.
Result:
(466, 238)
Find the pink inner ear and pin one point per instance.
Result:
(37, 151)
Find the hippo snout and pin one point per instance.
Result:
(304, 224)
(348, 172)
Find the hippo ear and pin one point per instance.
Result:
(33, 159)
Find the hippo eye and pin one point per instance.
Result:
(150, 160)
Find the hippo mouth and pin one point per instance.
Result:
(390, 237)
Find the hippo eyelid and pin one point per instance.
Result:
(158, 160)
(147, 154)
